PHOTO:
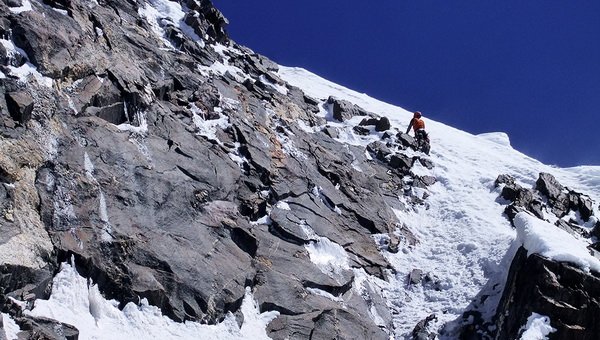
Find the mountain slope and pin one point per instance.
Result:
(197, 182)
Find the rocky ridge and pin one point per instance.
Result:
(537, 284)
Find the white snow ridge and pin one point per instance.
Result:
(74, 301)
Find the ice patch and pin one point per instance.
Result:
(141, 128)
(325, 294)
(61, 11)
(543, 238)
(2, 75)
(208, 128)
(11, 329)
(75, 302)
(26, 70)
(328, 256)
(283, 205)
(537, 328)
(88, 166)
(25, 6)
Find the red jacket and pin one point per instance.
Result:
(416, 124)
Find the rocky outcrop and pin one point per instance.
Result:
(561, 291)
(549, 196)
(343, 110)
(535, 284)
(168, 179)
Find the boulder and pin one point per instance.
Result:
(20, 106)
(343, 110)
(557, 289)
(406, 140)
(383, 124)
(331, 132)
(379, 150)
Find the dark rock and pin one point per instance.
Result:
(585, 207)
(406, 140)
(549, 186)
(368, 121)
(387, 135)
(426, 163)
(512, 210)
(343, 110)
(379, 150)
(424, 181)
(596, 231)
(383, 124)
(401, 162)
(572, 228)
(560, 290)
(420, 332)
(114, 113)
(361, 130)
(20, 106)
(504, 179)
(43, 328)
(14, 3)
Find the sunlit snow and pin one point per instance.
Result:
(537, 328)
(74, 301)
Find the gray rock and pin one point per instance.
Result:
(559, 290)
(331, 132)
(20, 106)
(415, 276)
(343, 110)
(406, 140)
(44, 328)
(549, 186)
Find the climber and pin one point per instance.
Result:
(422, 137)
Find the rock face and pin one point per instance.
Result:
(535, 284)
(565, 293)
(170, 180)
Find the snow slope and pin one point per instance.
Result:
(465, 241)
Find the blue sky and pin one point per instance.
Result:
(528, 68)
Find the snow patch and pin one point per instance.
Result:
(537, 328)
(11, 329)
(75, 302)
(208, 128)
(543, 238)
(160, 13)
(26, 70)
(25, 6)
(88, 166)
(283, 205)
(320, 292)
(140, 117)
(328, 256)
